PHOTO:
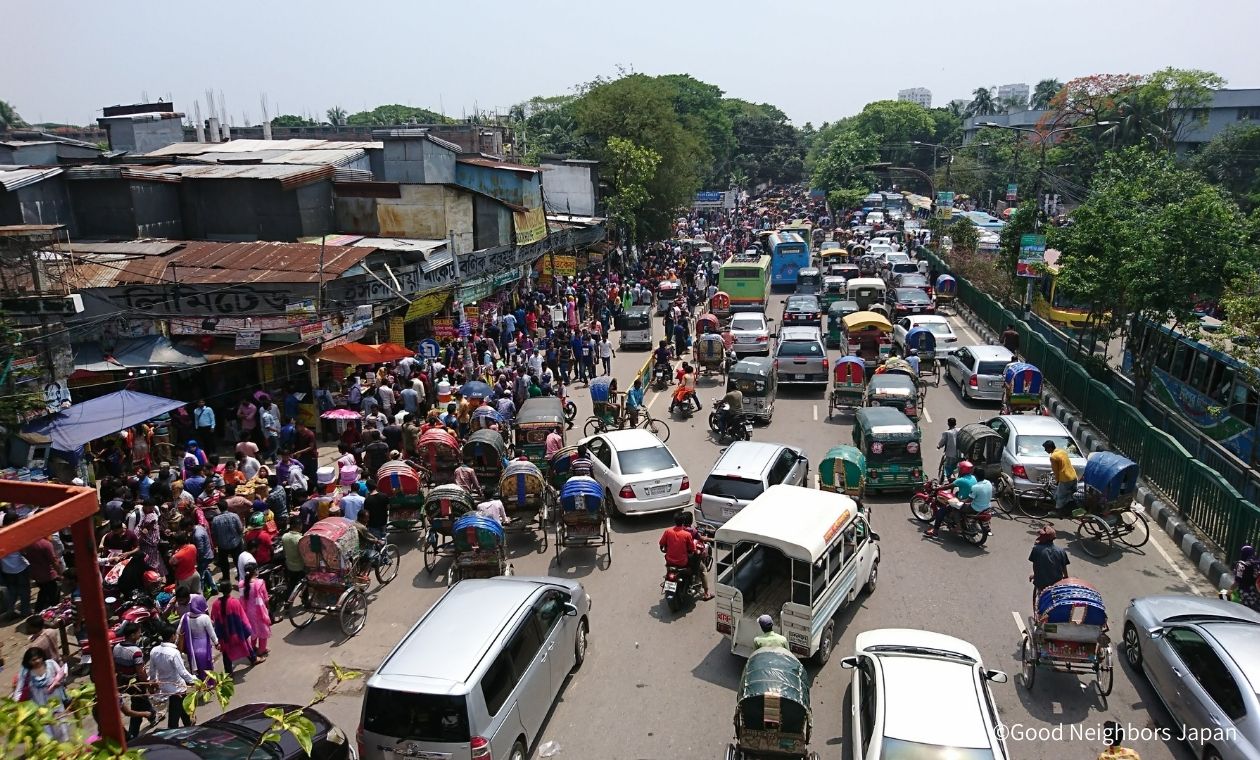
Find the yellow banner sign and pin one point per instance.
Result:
(531, 225)
(396, 330)
(426, 305)
(559, 266)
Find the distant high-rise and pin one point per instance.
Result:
(920, 95)
(1016, 92)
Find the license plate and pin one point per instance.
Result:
(799, 377)
(671, 586)
(993, 383)
(729, 511)
(658, 490)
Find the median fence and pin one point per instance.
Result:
(1204, 498)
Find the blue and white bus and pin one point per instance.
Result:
(788, 255)
(1210, 389)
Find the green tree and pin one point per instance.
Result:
(841, 167)
(1043, 93)
(893, 126)
(395, 114)
(18, 394)
(628, 168)
(9, 118)
(767, 147)
(640, 109)
(982, 103)
(1149, 242)
(336, 116)
(1232, 160)
(699, 106)
(292, 120)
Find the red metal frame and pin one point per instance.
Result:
(73, 507)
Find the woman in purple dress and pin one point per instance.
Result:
(197, 637)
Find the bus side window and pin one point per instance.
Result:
(850, 540)
(1181, 362)
(1198, 374)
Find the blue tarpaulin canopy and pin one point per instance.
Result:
(72, 427)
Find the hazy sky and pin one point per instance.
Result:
(816, 59)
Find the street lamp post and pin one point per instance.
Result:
(949, 156)
(1041, 167)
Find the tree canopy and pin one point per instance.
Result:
(389, 115)
(9, 118)
(292, 120)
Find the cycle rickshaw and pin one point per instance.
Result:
(1105, 511)
(582, 518)
(438, 451)
(485, 451)
(923, 342)
(848, 384)
(1021, 388)
(337, 575)
(478, 549)
(443, 505)
(1068, 633)
(527, 498)
(402, 484)
(772, 715)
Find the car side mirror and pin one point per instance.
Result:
(996, 676)
(849, 663)
(1155, 632)
(570, 610)
(874, 536)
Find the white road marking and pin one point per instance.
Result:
(815, 412)
(816, 482)
(1019, 622)
(1168, 558)
(926, 416)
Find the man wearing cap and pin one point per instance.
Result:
(1049, 562)
(769, 637)
(1064, 476)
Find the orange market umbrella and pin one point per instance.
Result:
(365, 353)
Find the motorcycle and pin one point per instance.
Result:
(971, 526)
(681, 586)
(661, 375)
(139, 609)
(735, 428)
(682, 406)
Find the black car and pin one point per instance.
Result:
(235, 733)
(802, 310)
(907, 301)
(914, 281)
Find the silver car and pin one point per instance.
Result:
(742, 472)
(751, 333)
(1024, 459)
(1202, 658)
(978, 371)
(800, 356)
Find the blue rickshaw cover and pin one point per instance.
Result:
(581, 493)
(1023, 378)
(945, 284)
(1071, 600)
(921, 339)
(1111, 474)
(599, 389)
(473, 531)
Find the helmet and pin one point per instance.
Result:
(151, 577)
(766, 622)
(965, 467)
(257, 520)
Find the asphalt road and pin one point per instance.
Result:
(658, 685)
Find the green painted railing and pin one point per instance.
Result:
(1206, 500)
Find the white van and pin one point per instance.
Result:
(799, 555)
(867, 291)
(475, 678)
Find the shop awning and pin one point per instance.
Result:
(365, 353)
(73, 427)
(133, 353)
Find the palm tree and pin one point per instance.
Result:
(1043, 93)
(1138, 121)
(336, 116)
(9, 117)
(981, 103)
(956, 108)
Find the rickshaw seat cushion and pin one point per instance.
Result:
(1080, 632)
(1071, 601)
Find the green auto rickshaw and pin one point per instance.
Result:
(836, 313)
(890, 443)
(843, 470)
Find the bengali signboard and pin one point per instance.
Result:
(715, 199)
(475, 291)
(312, 332)
(1032, 254)
(249, 340)
(426, 305)
(444, 327)
(1012, 192)
(556, 265)
(531, 225)
(396, 329)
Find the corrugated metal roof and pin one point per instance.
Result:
(415, 134)
(319, 156)
(344, 174)
(119, 172)
(402, 244)
(233, 146)
(14, 177)
(132, 247)
(349, 144)
(245, 156)
(290, 176)
(332, 239)
(23, 143)
(496, 164)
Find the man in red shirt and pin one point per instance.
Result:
(677, 544)
(183, 566)
(45, 571)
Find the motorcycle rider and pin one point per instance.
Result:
(730, 410)
(662, 362)
(677, 544)
(686, 392)
(697, 557)
(962, 487)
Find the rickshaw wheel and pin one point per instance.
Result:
(352, 609)
(657, 428)
(1028, 662)
(732, 753)
(593, 425)
(1094, 536)
(387, 564)
(430, 552)
(1105, 675)
(300, 614)
(1133, 529)
(1003, 496)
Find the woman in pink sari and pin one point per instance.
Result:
(570, 312)
(231, 625)
(255, 599)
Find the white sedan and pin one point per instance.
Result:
(751, 333)
(946, 338)
(922, 694)
(638, 472)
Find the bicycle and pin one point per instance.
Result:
(1098, 532)
(657, 427)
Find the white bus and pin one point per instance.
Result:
(798, 555)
